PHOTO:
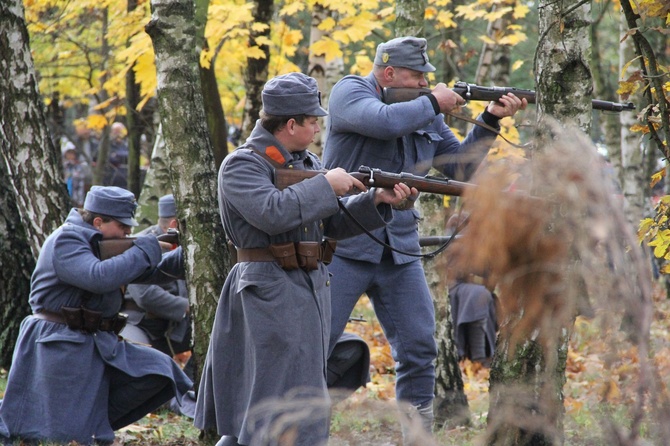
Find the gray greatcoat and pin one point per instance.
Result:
(59, 385)
(271, 330)
(163, 311)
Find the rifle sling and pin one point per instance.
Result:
(428, 255)
(485, 126)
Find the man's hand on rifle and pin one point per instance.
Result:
(343, 183)
(397, 196)
(507, 105)
(447, 98)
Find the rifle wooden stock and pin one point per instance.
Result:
(472, 92)
(114, 246)
(377, 178)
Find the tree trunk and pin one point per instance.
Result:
(33, 198)
(216, 117)
(32, 161)
(563, 77)
(527, 377)
(321, 70)
(257, 69)
(494, 60)
(635, 190)
(409, 18)
(191, 163)
(451, 404)
(156, 184)
(16, 266)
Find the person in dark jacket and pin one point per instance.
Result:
(408, 137)
(72, 378)
(265, 374)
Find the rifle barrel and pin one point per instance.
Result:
(472, 92)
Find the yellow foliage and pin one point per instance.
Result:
(291, 8)
(446, 19)
(516, 65)
(362, 65)
(328, 48)
(327, 24)
(497, 13)
(469, 13)
(520, 11)
(254, 52)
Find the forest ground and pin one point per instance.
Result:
(369, 416)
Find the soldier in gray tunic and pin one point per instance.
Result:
(72, 378)
(269, 343)
(158, 314)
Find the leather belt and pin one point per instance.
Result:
(114, 324)
(289, 255)
(255, 255)
(49, 316)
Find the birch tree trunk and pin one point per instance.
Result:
(326, 73)
(33, 198)
(191, 163)
(494, 60)
(528, 376)
(563, 76)
(632, 154)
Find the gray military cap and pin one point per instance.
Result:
(113, 202)
(166, 206)
(292, 94)
(406, 52)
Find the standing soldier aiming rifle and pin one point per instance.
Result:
(270, 334)
(403, 137)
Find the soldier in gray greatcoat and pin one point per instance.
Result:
(72, 378)
(158, 314)
(269, 343)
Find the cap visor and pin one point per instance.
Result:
(126, 221)
(318, 111)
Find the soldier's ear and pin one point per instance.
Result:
(97, 222)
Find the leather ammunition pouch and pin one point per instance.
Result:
(291, 256)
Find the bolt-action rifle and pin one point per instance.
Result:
(114, 246)
(372, 177)
(472, 92)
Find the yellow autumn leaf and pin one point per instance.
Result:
(496, 14)
(262, 40)
(487, 40)
(520, 11)
(292, 8)
(255, 52)
(328, 48)
(639, 128)
(327, 24)
(512, 39)
(516, 65)
(430, 13)
(259, 27)
(469, 13)
(656, 177)
(446, 19)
